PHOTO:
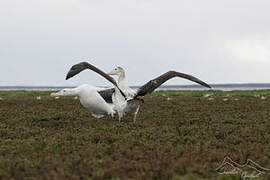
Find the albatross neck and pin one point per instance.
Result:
(121, 78)
(75, 91)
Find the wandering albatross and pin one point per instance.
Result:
(90, 98)
(133, 102)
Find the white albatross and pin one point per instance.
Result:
(90, 98)
(100, 101)
(132, 102)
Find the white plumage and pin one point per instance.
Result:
(90, 99)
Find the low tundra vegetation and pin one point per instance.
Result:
(178, 135)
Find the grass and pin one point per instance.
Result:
(213, 93)
(20, 94)
(184, 137)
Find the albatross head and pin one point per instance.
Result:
(64, 92)
(118, 71)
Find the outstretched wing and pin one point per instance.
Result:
(155, 83)
(77, 68)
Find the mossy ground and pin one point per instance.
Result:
(185, 136)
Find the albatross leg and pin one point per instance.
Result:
(112, 114)
(120, 115)
(119, 118)
(135, 113)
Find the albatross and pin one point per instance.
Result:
(91, 98)
(133, 101)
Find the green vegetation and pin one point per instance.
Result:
(168, 93)
(184, 137)
(213, 93)
(24, 94)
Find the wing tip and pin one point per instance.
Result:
(69, 75)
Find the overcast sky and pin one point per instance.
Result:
(224, 41)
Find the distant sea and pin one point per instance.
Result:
(223, 87)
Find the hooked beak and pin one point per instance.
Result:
(54, 94)
(111, 73)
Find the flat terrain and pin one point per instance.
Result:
(178, 135)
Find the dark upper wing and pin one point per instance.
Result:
(107, 94)
(155, 83)
(77, 68)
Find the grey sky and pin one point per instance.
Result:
(225, 41)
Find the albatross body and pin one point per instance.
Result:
(90, 98)
(134, 103)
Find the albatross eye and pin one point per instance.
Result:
(115, 69)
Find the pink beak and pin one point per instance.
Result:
(53, 94)
(110, 73)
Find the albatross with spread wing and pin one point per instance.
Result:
(133, 102)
